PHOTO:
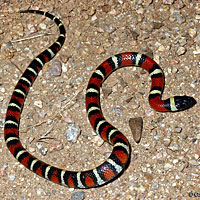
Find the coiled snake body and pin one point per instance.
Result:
(120, 156)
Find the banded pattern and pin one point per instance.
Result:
(120, 155)
(119, 159)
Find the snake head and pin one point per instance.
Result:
(184, 102)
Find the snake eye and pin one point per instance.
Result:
(184, 102)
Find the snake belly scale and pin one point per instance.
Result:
(119, 159)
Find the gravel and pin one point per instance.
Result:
(166, 162)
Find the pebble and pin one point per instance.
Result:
(194, 162)
(91, 11)
(89, 67)
(38, 103)
(117, 110)
(146, 3)
(3, 90)
(161, 48)
(118, 16)
(40, 191)
(197, 50)
(167, 166)
(56, 146)
(31, 28)
(174, 70)
(94, 17)
(72, 133)
(167, 141)
(178, 130)
(196, 156)
(55, 68)
(3, 170)
(106, 8)
(64, 68)
(173, 146)
(136, 125)
(100, 50)
(192, 32)
(181, 51)
(42, 150)
(80, 195)
(43, 26)
(11, 177)
(179, 18)
(157, 25)
(106, 91)
(148, 176)
(170, 2)
(97, 140)
(182, 41)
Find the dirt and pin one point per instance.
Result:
(166, 162)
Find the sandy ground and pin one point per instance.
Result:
(166, 162)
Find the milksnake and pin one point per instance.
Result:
(120, 157)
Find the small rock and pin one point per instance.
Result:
(55, 68)
(181, 51)
(78, 195)
(183, 166)
(111, 29)
(43, 26)
(12, 177)
(148, 176)
(91, 11)
(40, 191)
(167, 141)
(38, 103)
(167, 166)
(174, 70)
(196, 156)
(31, 28)
(134, 34)
(161, 48)
(179, 18)
(117, 110)
(169, 2)
(31, 149)
(178, 130)
(173, 146)
(100, 50)
(136, 125)
(122, 82)
(106, 91)
(72, 133)
(97, 140)
(194, 162)
(42, 150)
(94, 17)
(113, 12)
(182, 41)
(192, 32)
(3, 90)
(3, 170)
(64, 68)
(147, 2)
(197, 50)
(56, 146)
(157, 25)
(106, 8)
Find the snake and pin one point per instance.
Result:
(119, 159)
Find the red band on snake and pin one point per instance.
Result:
(119, 159)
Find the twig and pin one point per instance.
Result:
(32, 37)
(35, 125)
(16, 66)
